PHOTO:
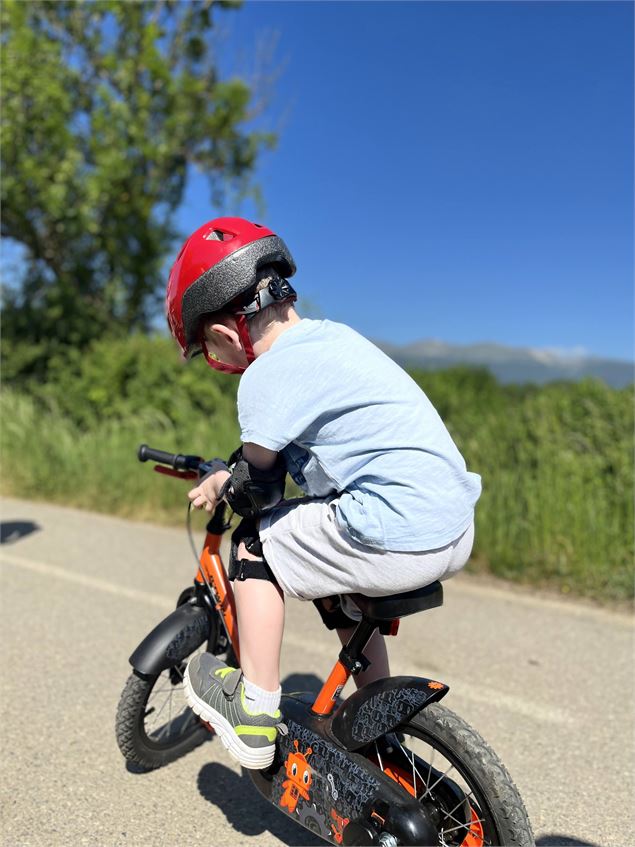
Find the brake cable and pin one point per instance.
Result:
(201, 570)
(211, 588)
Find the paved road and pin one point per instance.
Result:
(549, 684)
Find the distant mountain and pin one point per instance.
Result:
(512, 364)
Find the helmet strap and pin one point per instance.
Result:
(278, 291)
(223, 367)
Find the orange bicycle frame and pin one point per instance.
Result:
(213, 571)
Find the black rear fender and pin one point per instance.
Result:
(172, 640)
(381, 706)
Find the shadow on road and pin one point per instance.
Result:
(245, 809)
(563, 841)
(301, 682)
(12, 531)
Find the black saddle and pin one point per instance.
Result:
(399, 605)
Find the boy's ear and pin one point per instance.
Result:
(226, 332)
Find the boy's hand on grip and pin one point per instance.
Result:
(206, 494)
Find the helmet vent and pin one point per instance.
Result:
(218, 235)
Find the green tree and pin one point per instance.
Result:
(105, 105)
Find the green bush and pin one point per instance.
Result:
(47, 456)
(74, 439)
(556, 461)
(117, 378)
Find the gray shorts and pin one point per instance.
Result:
(312, 556)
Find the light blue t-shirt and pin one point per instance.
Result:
(349, 420)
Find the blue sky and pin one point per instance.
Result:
(460, 171)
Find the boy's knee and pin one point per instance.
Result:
(245, 539)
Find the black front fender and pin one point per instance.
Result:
(173, 640)
(380, 706)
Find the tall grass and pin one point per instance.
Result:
(46, 456)
(557, 468)
(556, 461)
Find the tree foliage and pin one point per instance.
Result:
(105, 104)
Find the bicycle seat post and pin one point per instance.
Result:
(351, 660)
(351, 655)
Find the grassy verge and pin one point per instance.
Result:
(556, 463)
(557, 468)
(46, 456)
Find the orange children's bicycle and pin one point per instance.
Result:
(390, 765)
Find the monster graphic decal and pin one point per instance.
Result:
(299, 778)
(338, 826)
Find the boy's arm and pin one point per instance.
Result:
(206, 493)
(260, 457)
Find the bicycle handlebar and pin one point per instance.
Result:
(175, 460)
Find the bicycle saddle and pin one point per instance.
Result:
(393, 606)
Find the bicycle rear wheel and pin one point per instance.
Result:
(471, 798)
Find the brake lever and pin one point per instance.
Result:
(171, 472)
(211, 466)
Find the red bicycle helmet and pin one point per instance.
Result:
(217, 268)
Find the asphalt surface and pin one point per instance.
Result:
(548, 683)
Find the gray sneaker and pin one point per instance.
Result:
(217, 694)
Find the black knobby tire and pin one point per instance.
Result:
(476, 768)
(147, 749)
(137, 746)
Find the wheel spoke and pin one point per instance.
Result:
(447, 785)
(443, 776)
(462, 826)
(381, 765)
(154, 724)
(430, 768)
(165, 690)
(466, 797)
(170, 727)
(412, 762)
(459, 824)
(414, 778)
(163, 730)
(190, 718)
(163, 706)
(178, 721)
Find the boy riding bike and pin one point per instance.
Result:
(390, 506)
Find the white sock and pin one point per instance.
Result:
(259, 700)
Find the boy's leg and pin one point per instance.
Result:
(260, 610)
(242, 703)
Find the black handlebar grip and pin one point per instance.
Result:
(174, 460)
(146, 453)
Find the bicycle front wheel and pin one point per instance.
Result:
(471, 798)
(154, 724)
